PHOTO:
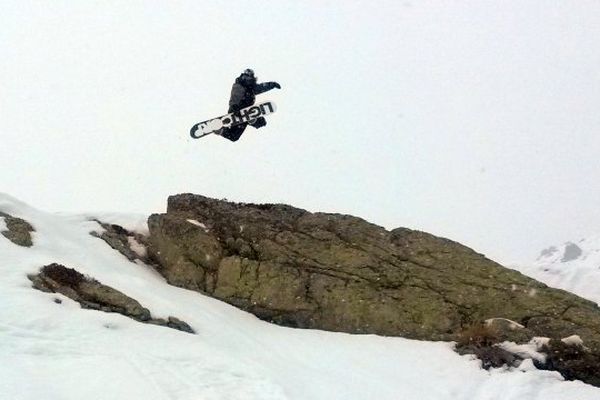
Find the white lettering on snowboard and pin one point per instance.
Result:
(246, 115)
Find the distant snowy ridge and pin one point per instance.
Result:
(583, 249)
(572, 266)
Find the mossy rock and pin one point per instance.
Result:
(341, 273)
(17, 230)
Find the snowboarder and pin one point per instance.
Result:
(243, 94)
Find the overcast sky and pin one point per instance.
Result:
(474, 120)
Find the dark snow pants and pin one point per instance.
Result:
(235, 132)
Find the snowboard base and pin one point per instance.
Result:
(244, 116)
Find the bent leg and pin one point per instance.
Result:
(234, 132)
(259, 123)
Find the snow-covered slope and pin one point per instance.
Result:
(572, 266)
(60, 351)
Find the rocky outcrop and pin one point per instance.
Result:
(17, 230)
(91, 294)
(340, 273)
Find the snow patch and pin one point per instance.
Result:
(137, 247)
(3, 226)
(528, 350)
(137, 223)
(512, 324)
(527, 365)
(573, 340)
(540, 341)
(199, 224)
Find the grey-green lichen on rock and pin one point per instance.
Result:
(341, 273)
(17, 230)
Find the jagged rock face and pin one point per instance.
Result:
(341, 273)
(18, 230)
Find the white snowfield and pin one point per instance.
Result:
(572, 266)
(54, 351)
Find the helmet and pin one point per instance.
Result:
(248, 72)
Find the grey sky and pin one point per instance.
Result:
(474, 120)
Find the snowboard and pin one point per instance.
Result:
(244, 116)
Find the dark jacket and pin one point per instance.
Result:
(244, 91)
(243, 94)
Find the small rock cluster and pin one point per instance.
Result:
(18, 230)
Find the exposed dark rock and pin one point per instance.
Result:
(121, 240)
(178, 324)
(174, 323)
(478, 335)
(548, 252)
(572, 252)
(91, 294)
(507, 330)
(482, 341)
(340, 273)
(573, 361)
(18, 230)
(492, 356)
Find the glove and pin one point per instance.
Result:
(276, 85)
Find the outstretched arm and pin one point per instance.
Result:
(266, 86)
